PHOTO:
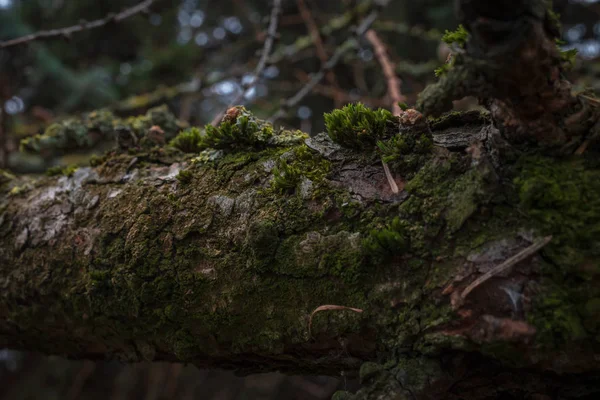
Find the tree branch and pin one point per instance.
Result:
(341, 51)
(82, 26)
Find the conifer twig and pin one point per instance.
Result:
(83, 25)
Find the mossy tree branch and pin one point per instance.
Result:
(510, 61)
(155, 255)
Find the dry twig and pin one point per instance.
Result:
(534, 248)
(267, 49)
(393, 84)
(330, 64)
(328, 307)
(84, 25)
(389, 70)
(315, 35)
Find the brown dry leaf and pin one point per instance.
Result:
(328, 307)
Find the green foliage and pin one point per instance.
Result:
(244, 132)
(381, 244)
(567, 56)
(356, 125)
(458, 37)
(302, 163)
(188, 140)
(443, 70)
(408, 151)
(185, 176)
(96, 127)
(563, 198)
(285, 177)
(240, 130)
(61, 170)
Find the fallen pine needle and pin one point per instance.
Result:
(328, 307)
(389, 177)
(534, 248)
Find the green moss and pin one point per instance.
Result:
(285, 177)
(384, 243)
(188, 140)
(61, 170)
(300, 163)
(458, 37)
(406, 152)
(369, 371)
(5, 177)
(443, 69)
(185, 176)
(97, 127)
(357, 126)
(245, 131)
(562, 197)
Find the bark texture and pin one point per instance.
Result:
(220, 258)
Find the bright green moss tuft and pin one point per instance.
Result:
(188, 140)
(285, 177)
(245, 131)
(382, 244)
(458, 37)
(357, 126)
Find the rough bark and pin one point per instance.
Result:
(220, 260)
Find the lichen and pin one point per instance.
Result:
(99, 126)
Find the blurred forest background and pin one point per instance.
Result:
(197, 57)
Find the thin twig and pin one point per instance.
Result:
(84, 25)
(266, 53)
(534, 248)
(389, 70)
(328, 307)
(330, 64)
(315, 35)
(393, 84)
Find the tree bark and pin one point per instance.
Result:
(151, 255)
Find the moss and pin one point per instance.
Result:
(458, 37)
(442, 70)
(185, 176)
(5, 177)
(300, 163)
(407, 152)
(561, 198)
(357, 126)
(99, 126)
(369, 371)
(242, 131)
(61, 170)
(383, 243)
(188, 140)
(285, 177)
